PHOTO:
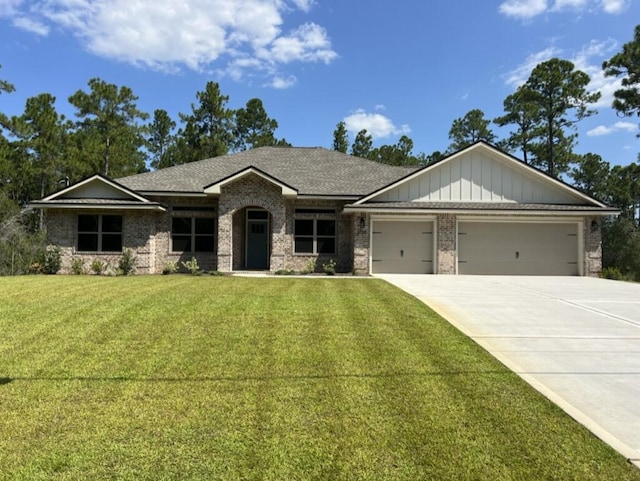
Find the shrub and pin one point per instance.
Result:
(216, 273)
(329, 267)
(98, 267)
(170, 267)
(309, 268)
(52, 261)
(285, 272)
(127, 262)
(612, 273)
(77, 266)
(192, 266)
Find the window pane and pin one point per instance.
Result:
(326, 245)
(257, 214)
(88, 242)
(304, 227)
(304, 245)
(111, 223)
(326, 227)
(205, 225)
(88, 223)
(181, 243)
(204, 243)
(112, 242)
(181, 225)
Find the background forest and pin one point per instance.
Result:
(41, 150)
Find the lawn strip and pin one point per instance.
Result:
(227, 378)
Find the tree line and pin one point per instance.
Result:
(42, 150)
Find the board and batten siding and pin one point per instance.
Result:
(477, 177)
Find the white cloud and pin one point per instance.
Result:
(31, 25)
(528, 9)
(376, 125)
(304, 5)
(233, 36)
(601, 130)
(284, 82)
(524, 9)
(308, 43)
(615, 6)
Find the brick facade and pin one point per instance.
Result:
(148, 233)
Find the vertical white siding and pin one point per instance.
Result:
(478, 176)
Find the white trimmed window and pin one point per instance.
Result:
(99, 233)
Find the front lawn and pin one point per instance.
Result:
(178, 377)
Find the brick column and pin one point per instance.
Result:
(446, 244)
(225, 233)
(592, 232)
(361, 244)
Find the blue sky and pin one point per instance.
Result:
(393, 67)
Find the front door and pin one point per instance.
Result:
(257, 240)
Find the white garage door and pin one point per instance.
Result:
(495, 248)
(402, 247)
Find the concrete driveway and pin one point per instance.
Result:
(575, 339)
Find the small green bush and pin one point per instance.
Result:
(612, 273)
(216, 273)
(329, 267)
(169, 267)
(98, 267)
(77, 266)
(285, 272)
(52, 260)
(309, 268)
(192, 266)
(127, 262)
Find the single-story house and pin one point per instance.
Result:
(477, 211)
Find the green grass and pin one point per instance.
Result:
(179, 377)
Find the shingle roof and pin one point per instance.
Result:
(311, 171)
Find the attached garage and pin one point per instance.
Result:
(513, 248)
(402, 247)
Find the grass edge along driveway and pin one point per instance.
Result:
(178, 377)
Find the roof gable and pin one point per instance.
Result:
(480, 173)
(97, 191)
(96, 187)
(215, 188)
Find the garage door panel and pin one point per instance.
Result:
(402, 247)
(495, 248)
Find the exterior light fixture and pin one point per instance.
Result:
(362, 222)
(594, 225)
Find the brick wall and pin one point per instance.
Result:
(138, 227)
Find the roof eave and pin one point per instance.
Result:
(466, 211)
(95, 205)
